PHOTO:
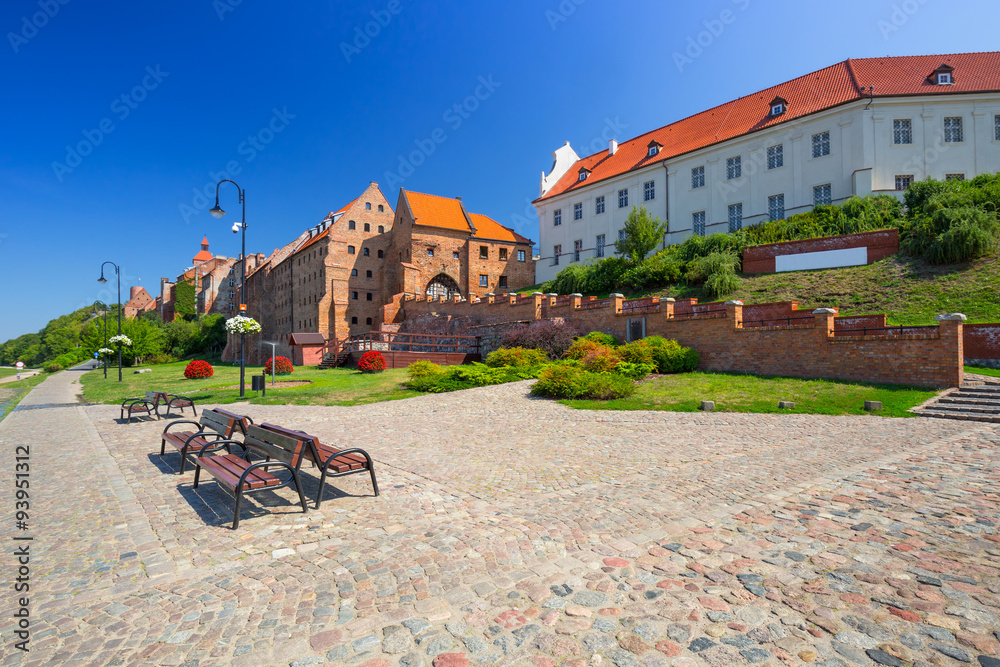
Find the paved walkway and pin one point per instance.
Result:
(14, 378)
(513, 531)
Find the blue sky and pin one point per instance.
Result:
(118, 113)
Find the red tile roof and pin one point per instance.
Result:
(325, 232)
(489, 229)
(844, 82)
(435, 211)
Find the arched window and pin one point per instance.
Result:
(368, 320)
(351, 224)
(354, 272)
(381, 228)
(365, 251)
(380, 208)
(380, 254)
(350, 250)
(368, 227)
(368, 205)
(354, 320)
(442, 285)
(368, 274)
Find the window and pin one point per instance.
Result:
(381, 208)
(600, 246)
(697, 178)
(621, 234)
(734, 167)
(954, 177)
(354, 272)
(454, 254)
(503, 282)
(996, 128)
(365, 251)
(381, 228)
(775, 157)
(368, 205)
(368, 274)
(350, 250)
(368, 320)
(582, 176)
(577, 247)
(902, 131)
(944, 78)
(557, 217)
(354, 320)
(821, 144)
(380, 253)
(953, 130)
(556, 251)
(776, 207)
(503, 254)
(368, 227)
(368, 296)
(822, 195)
(777, 109)
(430, 252)
(649, 191)
(653, 150)
(354, 295)
(484, 252)
(520, 255)
(351, 224)
(623, 198)
(904, 181)
(578, 211)
(484, 280)
(735, 217)
(698, 223)
(599, 202)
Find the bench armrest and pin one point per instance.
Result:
(263, 465)
(177, 397)
(354, 450)
(128, 401)
(181, 421)
(216, 445)
(218, 436)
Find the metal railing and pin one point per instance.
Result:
(698, 313)
(787, 321)
(597, 303)
(899, 329)
(640, 306)
(411, 342)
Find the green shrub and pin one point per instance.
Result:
(663, 268)
(602, 360)
(638, 352)
(581, 347)
(634, 371)
(666, 356)
(602, 338)
(566, 381)
(422, 369)
(53, 367)
(516, 357)
(161, 358)
(454, 378)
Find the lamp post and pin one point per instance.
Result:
(267, 342)
(237, 226)
(105, 340)
(103, 280)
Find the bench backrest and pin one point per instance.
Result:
(156, 397)
(280, 446)
(223, 422)
(311, 441)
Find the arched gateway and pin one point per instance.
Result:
(442, 285)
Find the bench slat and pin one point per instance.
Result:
(228, 468)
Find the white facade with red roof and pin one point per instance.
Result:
(862, 126)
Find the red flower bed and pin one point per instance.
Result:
(282, 366)
(198, 369)
(372, 362)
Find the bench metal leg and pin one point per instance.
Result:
(322, 488)
(298, 487)
(183, 460)
(197, 473)
(371, 469)
(236, 512)
(163, 446)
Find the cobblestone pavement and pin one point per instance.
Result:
(514, 531)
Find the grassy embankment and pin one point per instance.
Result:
(11, 393)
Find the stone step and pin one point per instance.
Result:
(984, 387)
(963, 407)
(957, 415)
(970, 400)
(975, 394)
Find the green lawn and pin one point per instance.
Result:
(983, 370)
(746, 393)
(7, 372)
(327, 387)
(11, 393)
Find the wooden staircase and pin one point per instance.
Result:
(335, 354)
(978, 399)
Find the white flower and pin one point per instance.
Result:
(121, 339)
(242, 325)
(105, 350)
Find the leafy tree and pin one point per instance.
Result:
(184, 303)
(643, 233)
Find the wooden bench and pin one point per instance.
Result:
(331, 462)
(217, 424)
(150, 405)
(180, 402)
(240, 476)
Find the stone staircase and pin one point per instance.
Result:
(978, 399)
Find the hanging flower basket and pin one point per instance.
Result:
(372, 362)
(242, 325)
(121, 339)
(105, 351)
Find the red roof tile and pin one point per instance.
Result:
(435, 211)
(846, 81)
(487, 228)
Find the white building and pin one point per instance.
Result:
(871, 125)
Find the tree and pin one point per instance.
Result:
(184, 302)
(642, 233)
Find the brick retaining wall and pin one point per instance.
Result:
(982, 341)
(880, 244)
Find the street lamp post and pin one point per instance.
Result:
(103, 280)
(105, 340)
(272, 358)
(242, 225)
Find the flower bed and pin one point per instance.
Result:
(198, 369)
(282, 366)
(372, 362)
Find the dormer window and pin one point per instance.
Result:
(584, 173)
(943, 75)
(778, 106)
(652, 148)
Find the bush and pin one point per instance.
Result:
(638, 352)
(282, 366)
(602, 338)
(581, 347)
(53, 367)
(634, 371)
(198, 369)
(372, 362)
(422, 369)
(159, 358)
(552, 337)
(455, 378)
(566, 381)
(517, 357)
(663, 268)
(665, 356)
(602, 360)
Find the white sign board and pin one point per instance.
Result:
(19, 364)
(826, 259)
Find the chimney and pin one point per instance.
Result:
(612, 147)
(458, 198)
(134, 292)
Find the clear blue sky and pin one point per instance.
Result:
(330, 111)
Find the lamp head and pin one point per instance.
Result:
(217, 212)
(102, 279)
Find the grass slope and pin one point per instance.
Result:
(746, 393)
(11, 393)
(328, 387)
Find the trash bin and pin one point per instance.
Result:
(257, 383)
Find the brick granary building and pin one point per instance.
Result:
(336, 276)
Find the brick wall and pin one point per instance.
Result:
(727, 341)
(880, 244)
(982, 341)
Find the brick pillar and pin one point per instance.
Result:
(539, 297)
(734, 313)
(616, 301)
(950, 329)
(576, 300)
(667, 307)
(512, 299)
(551, 298)
(825, 322)
(490, 298)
